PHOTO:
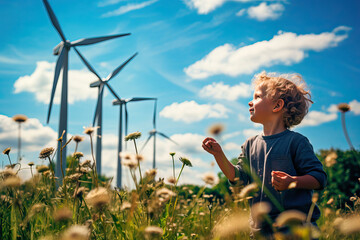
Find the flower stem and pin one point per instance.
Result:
(138, 161)
(345, 131)
(179, 174)
(173, 165)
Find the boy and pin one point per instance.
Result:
(278, 156)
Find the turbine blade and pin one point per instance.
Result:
(163, 135)
(154, 117)
(135, 99)
(117, 70)
(97, 109)
(147, 140)
(54, 20)
(59, 65)
(88, 41)
(87, 63)
(112, 91)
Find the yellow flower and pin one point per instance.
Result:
(133, 136)
(7, 151)
(185, 161)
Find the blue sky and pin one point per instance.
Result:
(197, 57)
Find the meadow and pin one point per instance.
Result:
(83, 205)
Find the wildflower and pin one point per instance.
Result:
(98, 197)
(248, 190)
(76, 232)
(31, 164)
(216, 129)
(36, 208)
(78, 139)
(8, 172)
(290, 217)
(62, 214)
(46, 152)
(75, 176)
(12, 182)
(209, 178)
(165, 193)
(86, 163)
(139, 157)
(353, 199)
(330, 201)
(89, 130)
(344, 107)
(350, 225)
(226, 228)
(20, 118)
(133, 136)
(7, 151)
(78, 155)
(259, 210)
(42, 168)
(125, 205)
(171, 180)
(330, 159)
(185, 161)
(172, 154)
(151, 173)
(132, 164)
(152, 232)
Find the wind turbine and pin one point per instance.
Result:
(153, 133)
(62, 49)
(122, 102)
(98, 111)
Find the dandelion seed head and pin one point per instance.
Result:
(139, 157)
(165, 193)
(185, 161)
(8, 172)
(7, 151)
(226, 228)
(133, 136)
(76, 232)
(216, 129)
(290, 217)
(78, 138)
(12, 182)
(98, 198)
(89, 130)
(171, 180)
(151, 173)
(20, 118)
(62, 214)
(153, 232)
(125, 206)
(343, 107)
(210, 178)
(46, 152)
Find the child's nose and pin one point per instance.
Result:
(250, 103)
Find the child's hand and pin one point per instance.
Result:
(281, 180)
(211, 146)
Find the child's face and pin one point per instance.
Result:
(261, 107)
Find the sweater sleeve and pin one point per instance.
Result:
(306, 162)
(241, 177)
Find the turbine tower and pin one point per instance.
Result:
(153, 133)
(62, 49)
(122, 102)
(98, 110)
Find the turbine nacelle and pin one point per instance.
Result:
(97, 83)
(57, 50)
(117, 102)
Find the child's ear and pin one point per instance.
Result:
(279, 105)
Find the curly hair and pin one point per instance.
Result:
(291, 88)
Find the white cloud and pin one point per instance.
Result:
(241, 12)
(251, 132)
(34, 135)
(227, 92)
(108, 2)
(204, 6)
(128, 8)
(41, 80)
(333, 108)
(315, 118)
(285, 48)
(190, 111)
(355, 107)
(264, 12)
(232, 146)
